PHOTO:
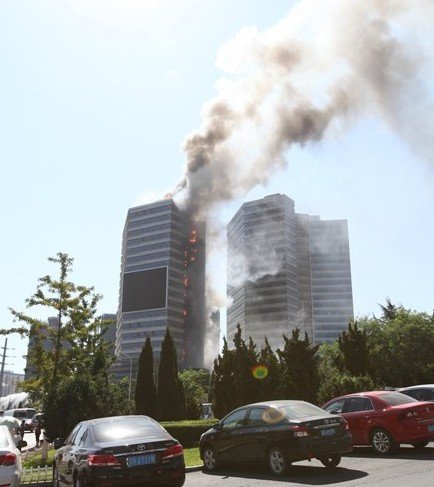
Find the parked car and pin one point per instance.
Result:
(23, 413)
(10, 459)
(384, 419)
(118, 451)
(423, 392)
(276, 433)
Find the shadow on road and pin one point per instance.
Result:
(301, 474)
(405, 452)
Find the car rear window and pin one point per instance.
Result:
(127, 429)
(301, 410)
(20, 414)
(395, 398)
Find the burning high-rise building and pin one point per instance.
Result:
(162, 285)
(287, 271)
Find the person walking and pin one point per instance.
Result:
(37, 432)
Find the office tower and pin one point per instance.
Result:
(10, 382)
(162, 285)
(287, 271)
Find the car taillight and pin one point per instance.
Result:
(409, 415)
(172, 451)
(7, 459)
(300, 431)
(102, 460)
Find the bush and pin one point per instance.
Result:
(188, 432)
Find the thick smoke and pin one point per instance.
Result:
(326, 64)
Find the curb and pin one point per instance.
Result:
(195, 468)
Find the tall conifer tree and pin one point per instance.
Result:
(170, 400)
(145, 396)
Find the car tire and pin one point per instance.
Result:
(277, 463)
(382, 442)
(209, 459)
(420, 444)
(331, 461)
(55, 476)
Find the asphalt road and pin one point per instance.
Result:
(406, 468)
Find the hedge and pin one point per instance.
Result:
(188, 432)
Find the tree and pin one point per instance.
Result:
(389, 310)
(335, 379)
(223, 382)
(145, 396)
(76, 337)
(401, 348)
(299, 368)
(196, 384)
(353, 351)
(170, 406)
(269, 386)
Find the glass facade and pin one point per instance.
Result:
(287, 271)
(156, 238)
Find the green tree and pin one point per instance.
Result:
(223, 382)
(353, 355)
(145, 396)
(170, 406)
(196, 386)
(335, 380)
(74, 341)
(299, 368)
(269, 386)
(401, 348)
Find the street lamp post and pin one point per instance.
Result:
(131, 371)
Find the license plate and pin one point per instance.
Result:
(140, 460)
(328, 432)
(431, 427)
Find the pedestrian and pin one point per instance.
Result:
(22, 428)
(37, 432)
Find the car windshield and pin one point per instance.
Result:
(300, 410)
(127, 429)
(395, 398)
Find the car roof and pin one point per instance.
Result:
(365, 393)
(421, 386)
(274, 404)
(110, 419)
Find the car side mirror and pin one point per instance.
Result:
(217, 426)
(58, 443)
(334, 411)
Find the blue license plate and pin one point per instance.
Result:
(328, 432)
(140, 460)
(431, 427)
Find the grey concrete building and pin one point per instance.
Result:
(285, 271)
(162, 285)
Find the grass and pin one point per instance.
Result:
(192, 458)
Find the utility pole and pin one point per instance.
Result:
(2, 371)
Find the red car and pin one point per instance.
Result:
(384, 419)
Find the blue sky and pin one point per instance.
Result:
(96, 99)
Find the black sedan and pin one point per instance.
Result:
(276, 433)
(118, 451)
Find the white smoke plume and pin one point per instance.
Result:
(326, 64)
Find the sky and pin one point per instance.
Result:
(96, 100)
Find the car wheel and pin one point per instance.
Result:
(55, 476)
(277, 462)
(382, 442)
(420, 444)
(209, 459)
(331, 461)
